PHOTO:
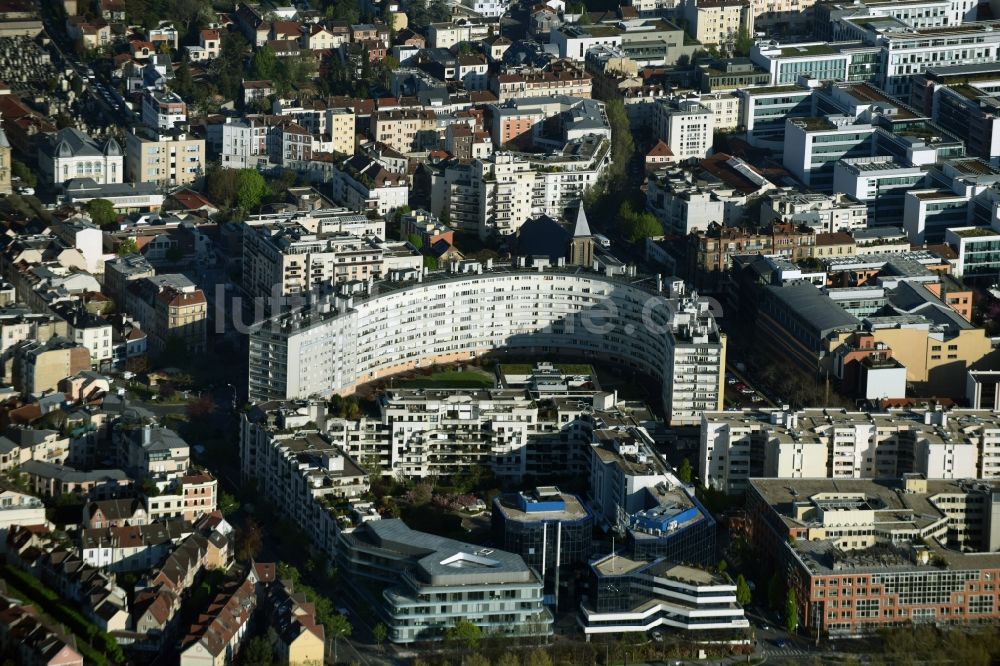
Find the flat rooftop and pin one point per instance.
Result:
(573, 509)
(618, 564)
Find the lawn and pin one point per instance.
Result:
(451, 379)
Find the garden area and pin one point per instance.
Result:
(96, 646)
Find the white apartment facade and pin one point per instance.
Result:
(163, 109)
(458, 315)
(819, 443)
(686, 126)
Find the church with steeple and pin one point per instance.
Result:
(567, 241)
(581, 245)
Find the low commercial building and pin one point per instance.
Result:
(863, 555)
(428, 581)
(548, 528)
(633, 594)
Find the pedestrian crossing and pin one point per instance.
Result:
(785, 652)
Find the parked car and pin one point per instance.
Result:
(27, 191)
(602, 240)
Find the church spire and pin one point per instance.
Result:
(582, 228)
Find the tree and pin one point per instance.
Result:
(744, 42)
(251, 190)
(230, 65)
(464, 634)
(743, 595)
(21, 170)
(102, 212)
(337, 627)
(380, 633)
(127, 247)
(228, 504)
(538, 658)
(258, 652)
(637, 226)
(201, 408)
(774, 591)
(431, 263)
(791, 611)
(508, 659)
(184, 84)
(684, 472)
(222, 185)
(263, 64)
(249, 541)
(622, 143)
(421, 494)
(722, 566)
(416, 241)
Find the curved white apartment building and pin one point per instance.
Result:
(455, 316)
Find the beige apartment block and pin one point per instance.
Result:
(166, 158)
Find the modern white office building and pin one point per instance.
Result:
(428, 582)
(881, 183)
(628, 594)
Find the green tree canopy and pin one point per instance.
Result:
(743, 595)
(251, 190)
(622, 143)
(416, 241)
(791, 611)
(337, 626)
(222, 185)
(21, 170)
(264, 63)
(744, 42)
(637, 226)
(228, 504)
(102, 212)
(258, 652)
(684, 472)
(127, 247)
(464, 634)
(538, 657)
(380, 633)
